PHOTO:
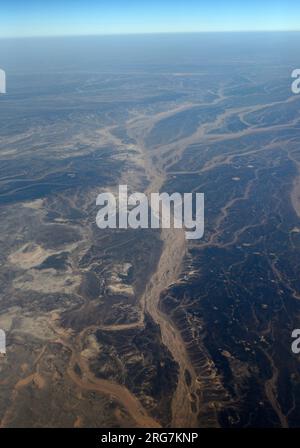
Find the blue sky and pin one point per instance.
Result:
(78, 17)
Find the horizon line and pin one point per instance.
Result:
(149, 33)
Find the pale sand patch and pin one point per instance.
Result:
(36, 326)
(116, 281)
(61, 220)
(47, 281)
(121, 289)
(8, 152)
(93, 348)
(24, 367)
(295, 230)
(29, 255)
(36, 204)
(15, 321)
(6, 320)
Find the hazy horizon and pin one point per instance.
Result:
(154, 33)
(149, 52)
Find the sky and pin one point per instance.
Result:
(25, 18)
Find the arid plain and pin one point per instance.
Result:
(141, 328)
